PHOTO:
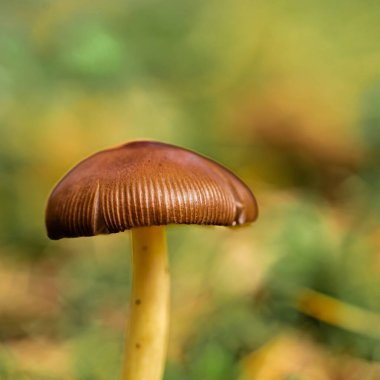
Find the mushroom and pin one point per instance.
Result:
(143, 186)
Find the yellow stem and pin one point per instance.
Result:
(147, 332)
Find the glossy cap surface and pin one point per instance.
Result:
(146, 183)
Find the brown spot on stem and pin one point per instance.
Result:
(138, 302)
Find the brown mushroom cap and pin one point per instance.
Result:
(146, 183)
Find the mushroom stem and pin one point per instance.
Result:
(147, 332)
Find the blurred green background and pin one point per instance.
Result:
(284, 93)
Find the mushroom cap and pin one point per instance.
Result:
(146, 183)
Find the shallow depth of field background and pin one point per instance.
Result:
(284, 93)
